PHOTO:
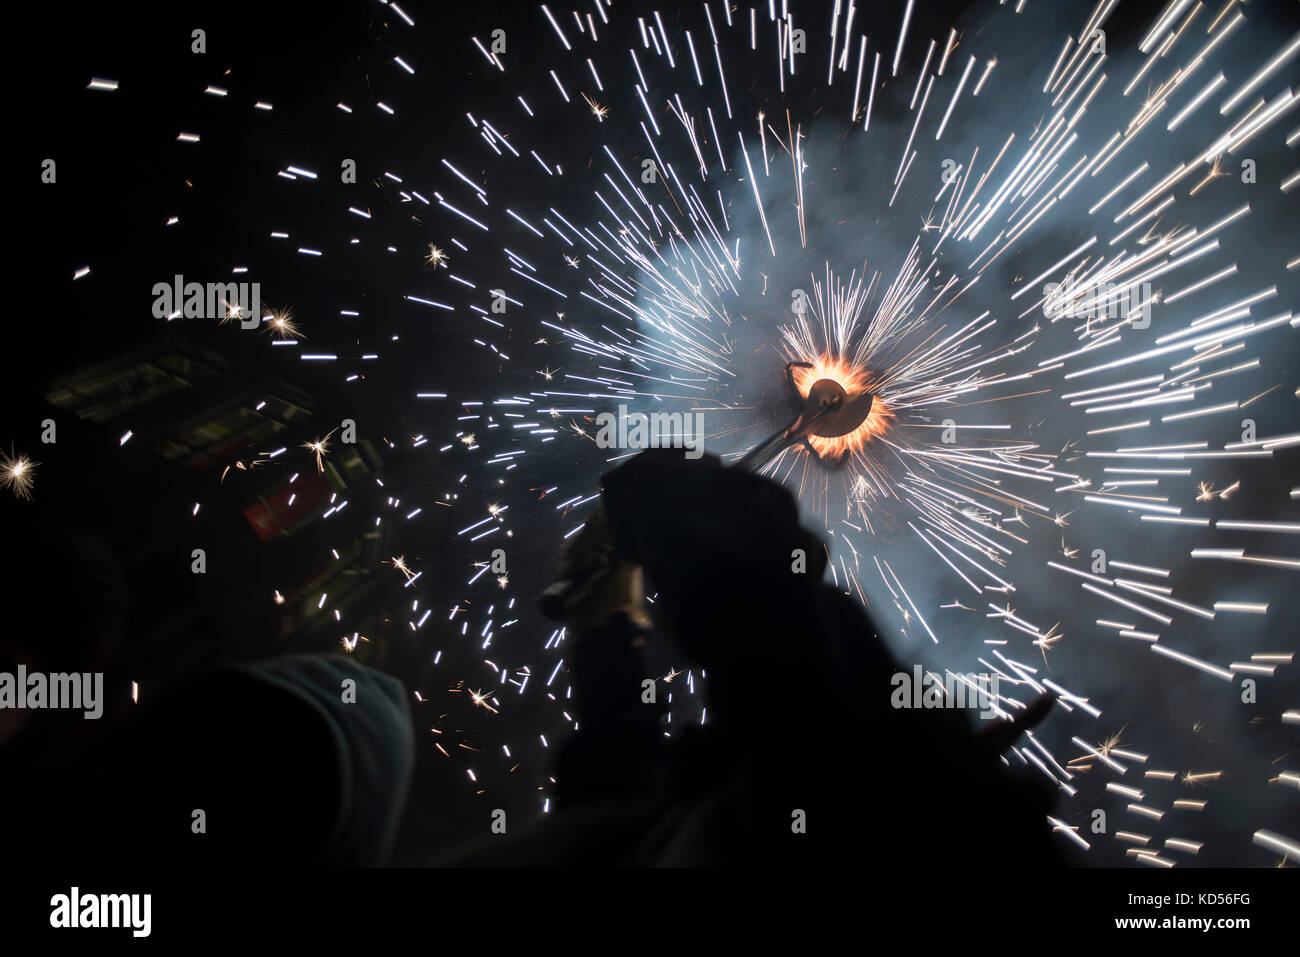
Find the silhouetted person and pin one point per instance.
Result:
(272, 762)
(802, 759)
(293, 759)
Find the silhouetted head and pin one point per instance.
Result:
(734, 578)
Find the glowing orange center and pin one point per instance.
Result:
(855, 381)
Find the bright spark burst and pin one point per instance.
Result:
(17, 474)
(319, 448)
(280, 325)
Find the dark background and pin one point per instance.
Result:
(121, 174)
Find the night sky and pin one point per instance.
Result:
(439, 439)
